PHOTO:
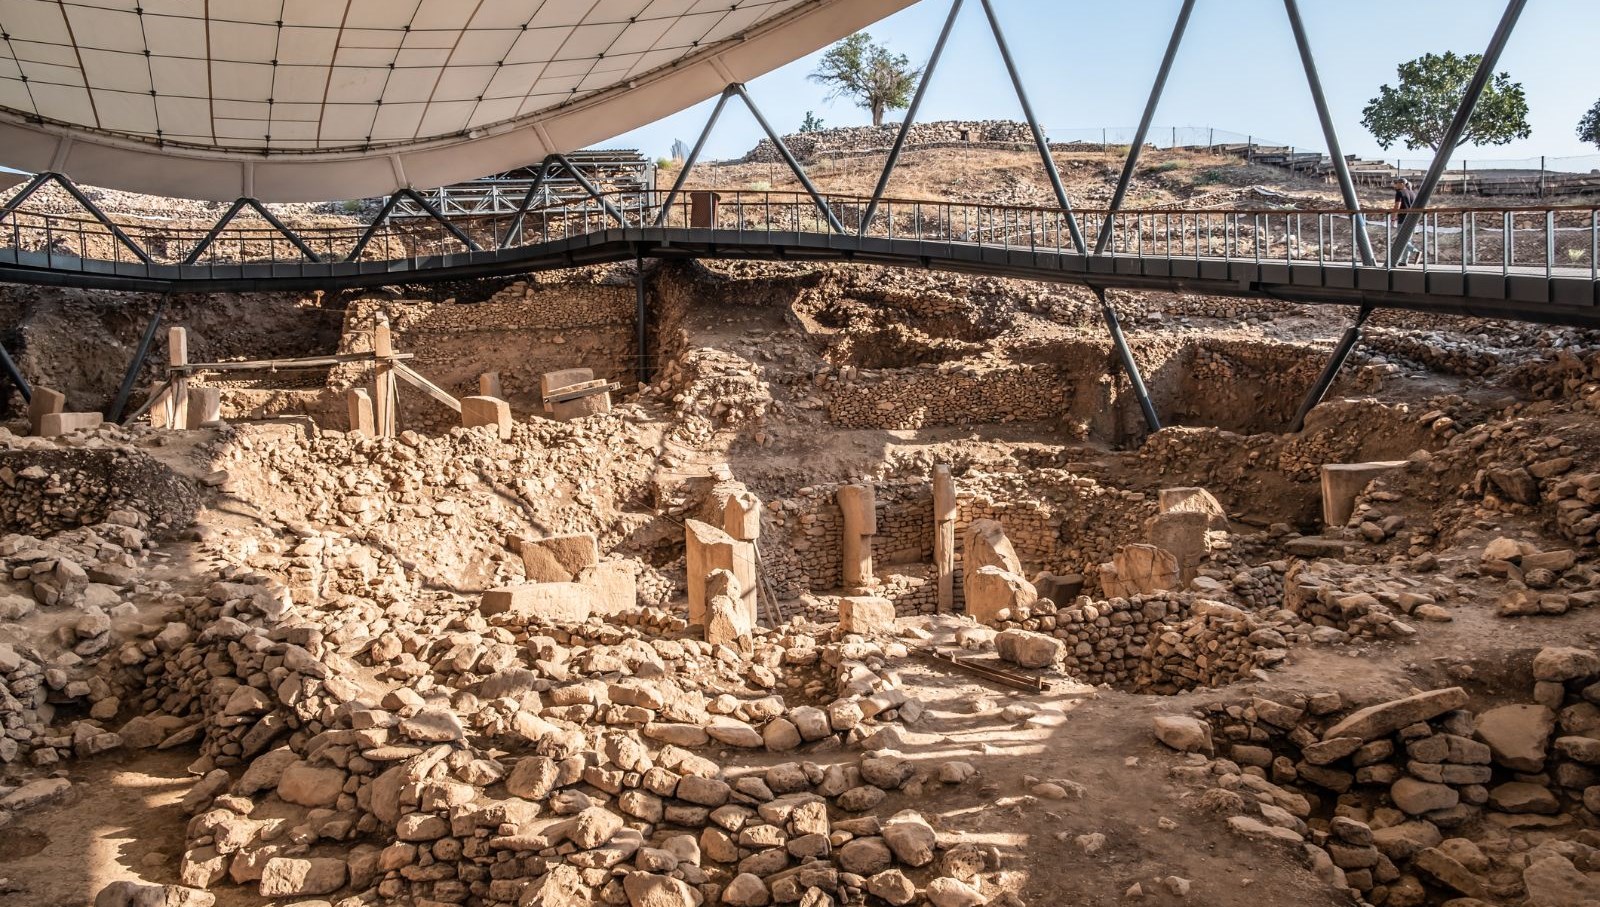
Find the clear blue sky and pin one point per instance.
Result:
(1089, 64)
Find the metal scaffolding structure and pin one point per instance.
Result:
(595, 206)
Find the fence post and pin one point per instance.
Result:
(1249, 149)
(1541, 176)
(1211, 140)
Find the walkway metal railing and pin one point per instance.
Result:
(1562, 241)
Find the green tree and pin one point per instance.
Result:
(1419, 110)
(812, 123)
(1589, 126)
(869, 74)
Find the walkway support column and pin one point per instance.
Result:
(9, 366)
(1151, 420)
(1038, 133)
(641, 315)
(911, 116)
(1458, 126)
(114, 414)
(694, 157)
(1330, 372)
(1341, 167)
(1132, 162)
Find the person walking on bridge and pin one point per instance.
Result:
(1405, 198)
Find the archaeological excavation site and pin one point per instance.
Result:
(919, 515)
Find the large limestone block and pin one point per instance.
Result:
(45, 402)
(205, 405)
(358, 404)
(858, 504)
(741, 516)
(707, 548)
(1518, 735)
(1139, 570)
(986, 545)
(727, 624)
(476, 411)
(1343, 482)
(55, 424)
(1190, 535)
(615, 583)
(550, 382)
(866, 614)
(1029, 650)
(1385, 718)
(553, 602)
(1190, 500)
(559, 558)
(567, 410)
(992, 592)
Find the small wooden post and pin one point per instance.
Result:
(178, 356)
(383, 395)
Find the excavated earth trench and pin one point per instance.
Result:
(255, 662)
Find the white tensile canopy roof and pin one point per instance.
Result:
(307, 100)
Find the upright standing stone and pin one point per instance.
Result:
(178, 358)
(383, 397)
(985, 545)
(493, 411)
(1343, 482)
(859, 507)
(45, 402)
(726, 623)
(707, 549)
(741, 516)
(944, 536)
(489, 385)
(359, 404)
(205, 405)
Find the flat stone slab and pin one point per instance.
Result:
(1385, 718)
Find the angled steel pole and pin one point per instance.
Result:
(1038, 133)
(911, 115)
(9, 367)
(641, 318)
(114, 414)
(1330, 372)
(1118, 340)
(694, 155)
(593, 190)
(100, 216)
(1341, 167)
(789, 158)
(433, 212)
(288, 234)
(515, 230)
(1132, 162)
(216, 231)
(372, 228)
(28, 188)
(1458, 126)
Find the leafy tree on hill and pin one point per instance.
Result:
(869, 74)
(1589, 126)
(1419, 110)
(812, 123)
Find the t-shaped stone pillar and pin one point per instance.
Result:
(944, 536)
(857, 504)
(707, 549)
(46, 401)
(741, 516)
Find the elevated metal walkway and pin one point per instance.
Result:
(1527, 264)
